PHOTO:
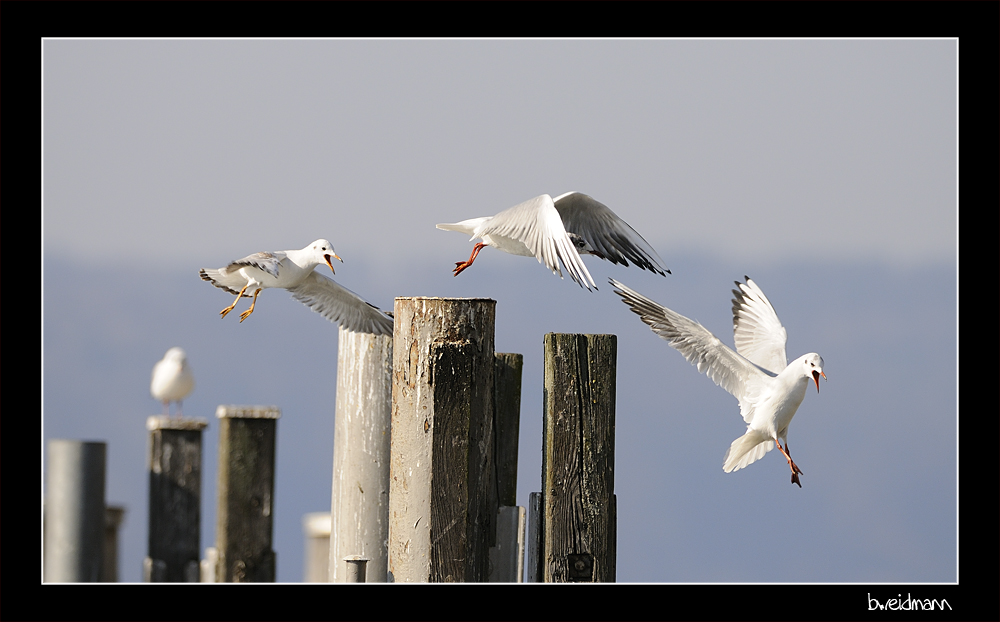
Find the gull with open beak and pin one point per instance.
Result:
(768, 389)
(294, 270)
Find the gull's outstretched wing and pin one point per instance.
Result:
(606, 233)
(339, 304)
(536, 224)
(758, 332)
(726, 368)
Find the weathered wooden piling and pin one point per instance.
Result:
(578, 523)
(359, 506)
(507, 540)
(74, 511)
(441, 468)
(174, 465)
(244, 530)
(507, 417)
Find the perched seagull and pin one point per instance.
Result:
(293, 270)
(560, 229)
(769, 391)
(172, 380)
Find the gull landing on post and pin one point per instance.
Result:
(560, 230)
(769, 390)
(294, 270)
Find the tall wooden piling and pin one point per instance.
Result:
(74, 511)
(507, 540)
(359, 506)
(578, 530)
(441, 466)
(245, 526)
(174, 498)
(507, 418)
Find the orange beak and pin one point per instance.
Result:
(816, 375)
(327, 257)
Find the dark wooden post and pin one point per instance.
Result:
(507, 418)
(441, 464)
(174, 499)
(114, 516)
(507, 540)
(578, 523)
(247, 437)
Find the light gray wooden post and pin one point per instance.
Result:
(359, 504)
(578, 506)
(441, 466)
(174, 498)
(355, 565)
(316, 528)
(74, 511)
(245, 526)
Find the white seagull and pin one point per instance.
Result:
(769, 391)
(172, 380)
(293, 270)
(560, 229)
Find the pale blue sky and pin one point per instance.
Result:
(825, 170)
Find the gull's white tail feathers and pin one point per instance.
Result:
(746, 450)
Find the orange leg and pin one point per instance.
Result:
(225, 311)
(247, 313)
(791, 463)
(462, 265)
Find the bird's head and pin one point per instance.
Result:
(175, 354)
(324, 249)
(814, 367)
(581, 245)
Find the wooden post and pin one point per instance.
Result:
(174, 498)
(316, 528)
(359, 505)
(246, 493)
(507, 541)
(441, 468)
(74, 511)
(579, 521)
(507, 407)
(114, 516)
(355, 565)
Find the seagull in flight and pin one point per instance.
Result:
(768, 389)
(293, 270)
(560, 230)
(172, 380)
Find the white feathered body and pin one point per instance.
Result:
(172, 378)
(294, 270)
(768, 398)
(260, 270)
(556, 231)
(772, 415)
